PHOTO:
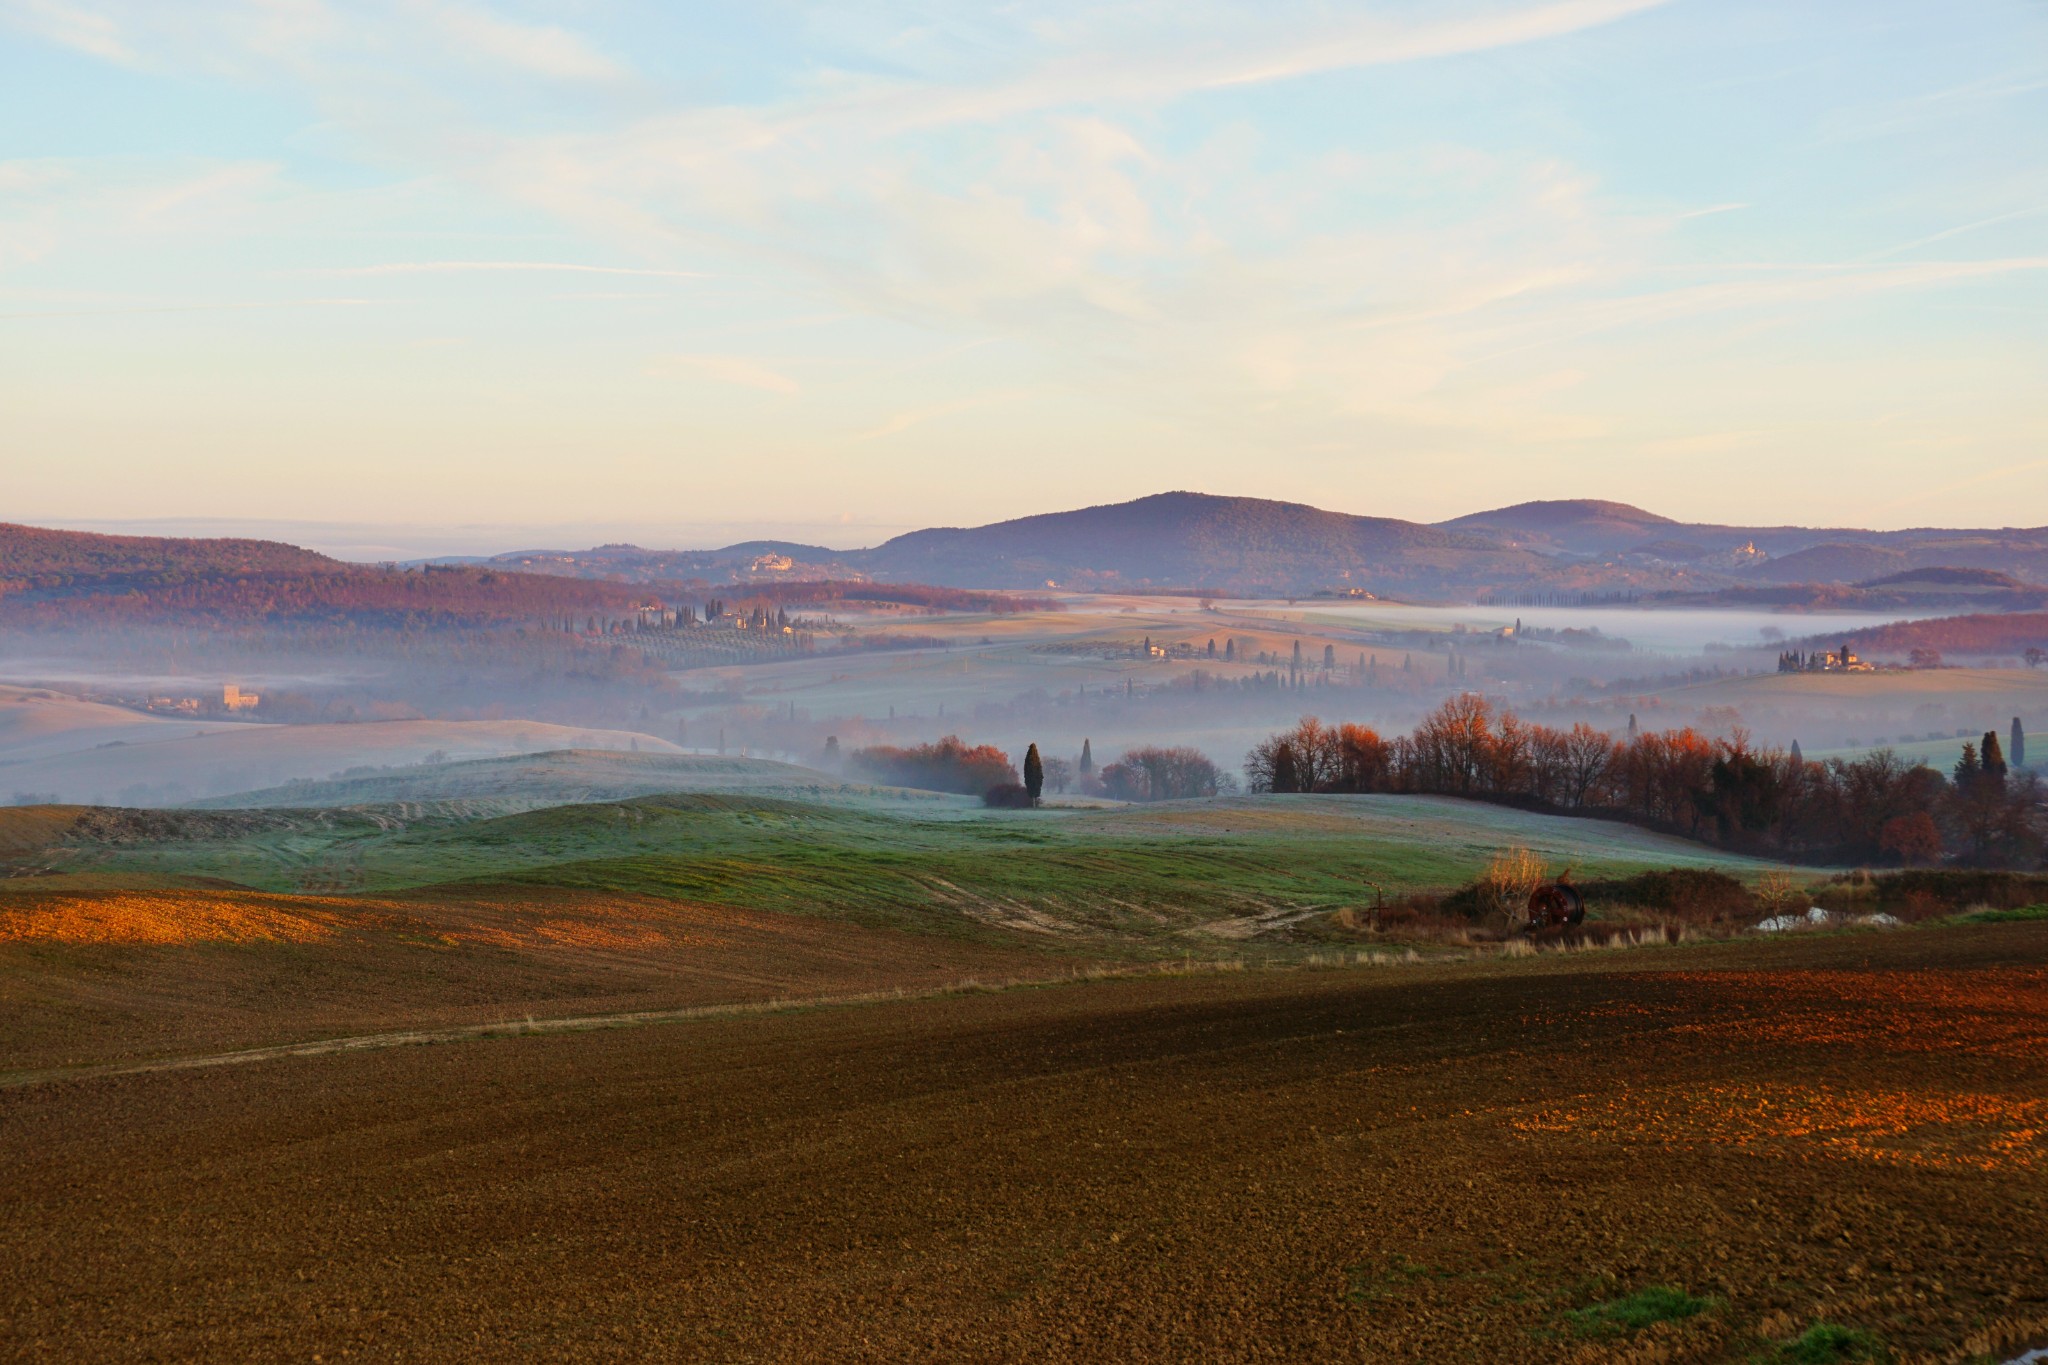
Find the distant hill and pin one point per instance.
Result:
(2001, 634)
(68, 578)
(1835, 563)
(1179, 540)
(1577, 525)
(1194, 540)
(40, 555)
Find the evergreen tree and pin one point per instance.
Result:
(1212, 649)
(831, 751)
(1631, 727)
(1230, 650)
(1993, 757)
(2018, 757)
(1329, 656)
(1967, 769)
(1087, 764)
(1286, 775)
(1034, 773)
(1797, 757)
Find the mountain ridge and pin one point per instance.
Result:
(1183, 540)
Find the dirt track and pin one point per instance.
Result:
(1366, 1164)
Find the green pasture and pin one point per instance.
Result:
(1134, 871)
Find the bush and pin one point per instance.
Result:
(1958, 889)
(1007, 796)
(947, 766)
(1688, 892)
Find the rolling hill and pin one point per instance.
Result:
(69, 749)
(1177, 540)
(53, 578)
(1187, 540)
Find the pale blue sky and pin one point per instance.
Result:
(575, 269)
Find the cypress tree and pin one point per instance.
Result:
(1087, 764)
(1993, 757)
(2018, 747)
(1034, 773)
(1286, 778)
(1797, 757)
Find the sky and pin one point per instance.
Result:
(421, 276)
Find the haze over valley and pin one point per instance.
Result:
(1321, 681)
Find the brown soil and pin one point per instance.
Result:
(93, 977)
(1371, 1164)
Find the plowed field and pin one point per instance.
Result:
(1842, 1139)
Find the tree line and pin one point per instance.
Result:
(1145, 773)
(1732, 792)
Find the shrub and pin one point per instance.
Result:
(947, 766)
(1007, 796)
(1955, 889)
(1688, 892)
(1511, 878)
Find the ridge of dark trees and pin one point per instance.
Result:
(428, 598)
(1730, 792)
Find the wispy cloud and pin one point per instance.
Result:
(517, 267)
(904, 421)
(743, 371)
(73, 25)
(143, 309)
(540, 49)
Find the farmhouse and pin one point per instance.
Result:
(1843, 660)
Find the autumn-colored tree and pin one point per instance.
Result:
(1910, 838)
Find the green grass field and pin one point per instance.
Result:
(1129, 873)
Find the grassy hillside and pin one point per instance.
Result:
(518, 782)
(1228, 868)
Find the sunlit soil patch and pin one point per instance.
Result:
(588, 923)
(1977, 1132)
(172, 917)
(1997, 1010)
